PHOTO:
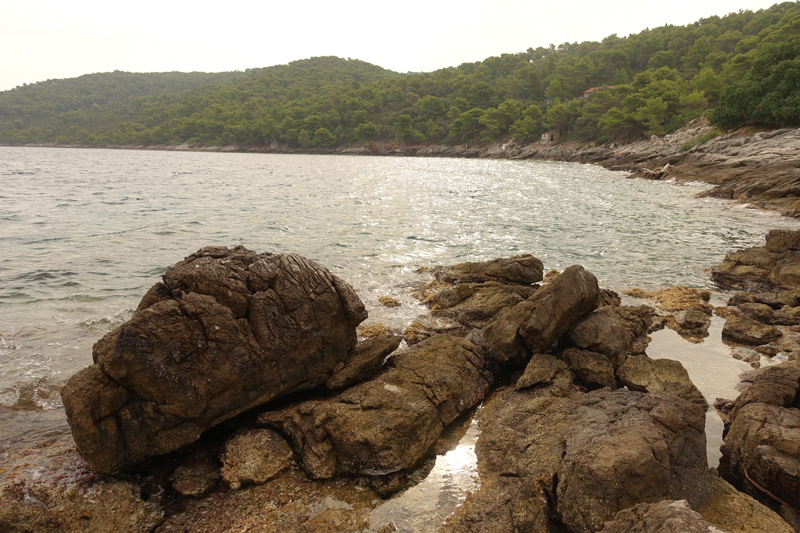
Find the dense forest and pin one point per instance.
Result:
(739, 69)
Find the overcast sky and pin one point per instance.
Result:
(49, 39)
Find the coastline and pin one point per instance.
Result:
(761, 169)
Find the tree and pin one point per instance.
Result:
(324, 137)
(405, 132)
(364, 131)
(769, 94)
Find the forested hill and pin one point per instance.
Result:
(741, 68)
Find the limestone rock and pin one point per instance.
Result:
(642, 373)
(539, 322)
(387, 424)
(253, 456)
(743, 330)
(364, 361)
(668, 516)
(593, 370)
(226, 331)
(521, 269)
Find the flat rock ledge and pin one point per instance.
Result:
(765, 315)
(579, 427)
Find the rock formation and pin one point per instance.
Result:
(227, 330)
(586, 431)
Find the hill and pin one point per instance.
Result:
(623, 88)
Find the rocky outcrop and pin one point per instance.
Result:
(774, 265)
(567, 448)
(388, 424)
(763, 436)
(572, 462)
(227, 330)
(668, 516)
(535, 325)
(522, 269)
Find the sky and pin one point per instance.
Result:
(49, 39)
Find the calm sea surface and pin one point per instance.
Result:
(85, 233)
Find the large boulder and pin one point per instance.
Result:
(536, 325)
(614, 331)
(762, 441)
(227, 330)
(387, 424)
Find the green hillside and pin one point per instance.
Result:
(741, 68)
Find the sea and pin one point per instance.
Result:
(85, 232)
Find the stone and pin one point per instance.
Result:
(787, 316)
(668, 516)
(545, 369)
(426, 326)
(521, 269)
(757, 311)
(572, 462)
(748, 355)
(253, 456)
(747, 331)
(536, 324)
(614, 332)
(781, 240)
(774, 385)
(474, 304)
(197, 474)
(763, 447)
(226, 331)
(575, 461)
(365, 360)
(641, 373)
(591, 369)
(387, 424)
(692, 322)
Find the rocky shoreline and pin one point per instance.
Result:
(240, 396)
(761, 169)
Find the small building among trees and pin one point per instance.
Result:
(550, 136)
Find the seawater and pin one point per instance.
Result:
(85, 233)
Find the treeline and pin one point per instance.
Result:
(743, 68)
